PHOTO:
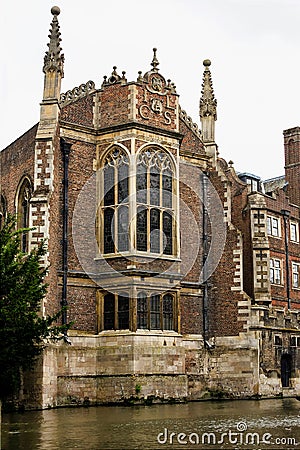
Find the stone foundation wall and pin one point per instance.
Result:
(147, 367)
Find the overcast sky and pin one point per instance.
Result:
(253, 45)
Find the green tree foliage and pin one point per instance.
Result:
(22, 288)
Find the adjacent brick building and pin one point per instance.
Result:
(181, 276)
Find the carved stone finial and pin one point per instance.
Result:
(114, 76)
(55, 11)
(54, 59)
(155, 62)
(208, 103)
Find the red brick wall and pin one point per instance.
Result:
(17, 160)
(292, 163)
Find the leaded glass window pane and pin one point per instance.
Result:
(123, 312)
(168, 312)
(154, 187)
(155, 230)
(109, 312)
(123, 240)
(168, 233)
(123, 183)
(167, 189)
(155, 312)
(142, 311)
(109, 245)
(109, 188)
(141, 184)
(141, 227)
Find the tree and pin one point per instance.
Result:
(22, 328)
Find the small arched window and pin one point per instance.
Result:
(3, 210)
(23, 208)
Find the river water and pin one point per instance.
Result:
(264, 424)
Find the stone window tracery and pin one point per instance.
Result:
(154, 194)
(145, 208)
(115, 202)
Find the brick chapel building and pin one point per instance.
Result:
(181, 276)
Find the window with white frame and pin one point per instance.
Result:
(294, 232)
(143, 208)
(295, 275)
(273, 226)
(275, 271)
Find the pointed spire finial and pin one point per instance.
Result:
(54, 59)
(155, 62)
(208, 103)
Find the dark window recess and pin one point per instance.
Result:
(154, 231)
(123, 312)
(277, 340)
(109, 245)
(142, 311)
(141, 228)
(154, 187)
(109, 189)
(155, 312)
(123, 183)
(168, 312)
(123, 232)
(168, 234)
(141, 184)
(109, 312)
(167, 189)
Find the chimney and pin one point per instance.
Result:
(292, 163)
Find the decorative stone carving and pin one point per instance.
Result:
(76, 93)
(54, 59)
(189, 123)
(114, 78)
(208, 103)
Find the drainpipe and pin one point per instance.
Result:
(286, 215)
(65, 148)
(205, 253)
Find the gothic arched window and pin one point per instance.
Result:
(146, 205)
(23, 205)
(154, 189)
(115, 201)
(3, 210)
